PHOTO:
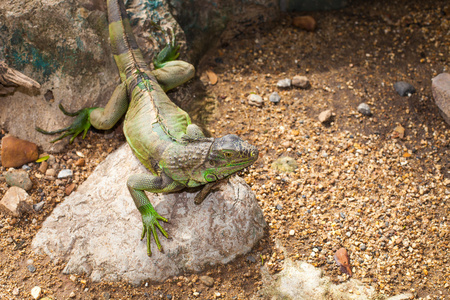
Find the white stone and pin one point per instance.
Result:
(65, 173)
(255, 100)
(36, 292)
(299, 280)
(364, 109)
(284, 83)
(97, 229)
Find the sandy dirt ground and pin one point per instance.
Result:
(377, 185)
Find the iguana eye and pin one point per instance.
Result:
(228, 154)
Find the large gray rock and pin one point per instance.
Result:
(441, 94)
(97, 229)
(64, 45)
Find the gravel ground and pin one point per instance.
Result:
(377, 185)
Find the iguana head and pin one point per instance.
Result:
(226, 156)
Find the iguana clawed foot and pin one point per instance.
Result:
(150, 222)
(80, 124)
(169, 53)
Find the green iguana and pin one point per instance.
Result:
(159, 133)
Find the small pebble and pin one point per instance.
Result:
(362, 246)
(19, 178)
(38, 206)
(284, 83)
(36, 292)
(50, 172)
(274, 97)
(43, 167)
(279, 207)
(251, 259)
(51, 160)
(325, 116)
(255, 100)
(307, 23)
(364, 109)
(80, 162)
(300, 81)
(285, 164)
(207, 280)
(292, 232)
(69, 189)
(65, 173)
(404, 88)
(31, 268)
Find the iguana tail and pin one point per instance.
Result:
(126, 52)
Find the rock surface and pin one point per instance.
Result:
(16, 201)
(441, 94)
(16, 152)
(97, 229)
(299, 280)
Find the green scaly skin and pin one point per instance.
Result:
(159, 133)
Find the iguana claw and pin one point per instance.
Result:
(150, 220)
(80, 124)
(169, 53)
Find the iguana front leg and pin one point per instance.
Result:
(100, 118)
(137, 185)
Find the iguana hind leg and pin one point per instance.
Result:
(100, 118)
(137, 185)
(106, 118)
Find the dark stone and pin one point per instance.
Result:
(404, 88)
